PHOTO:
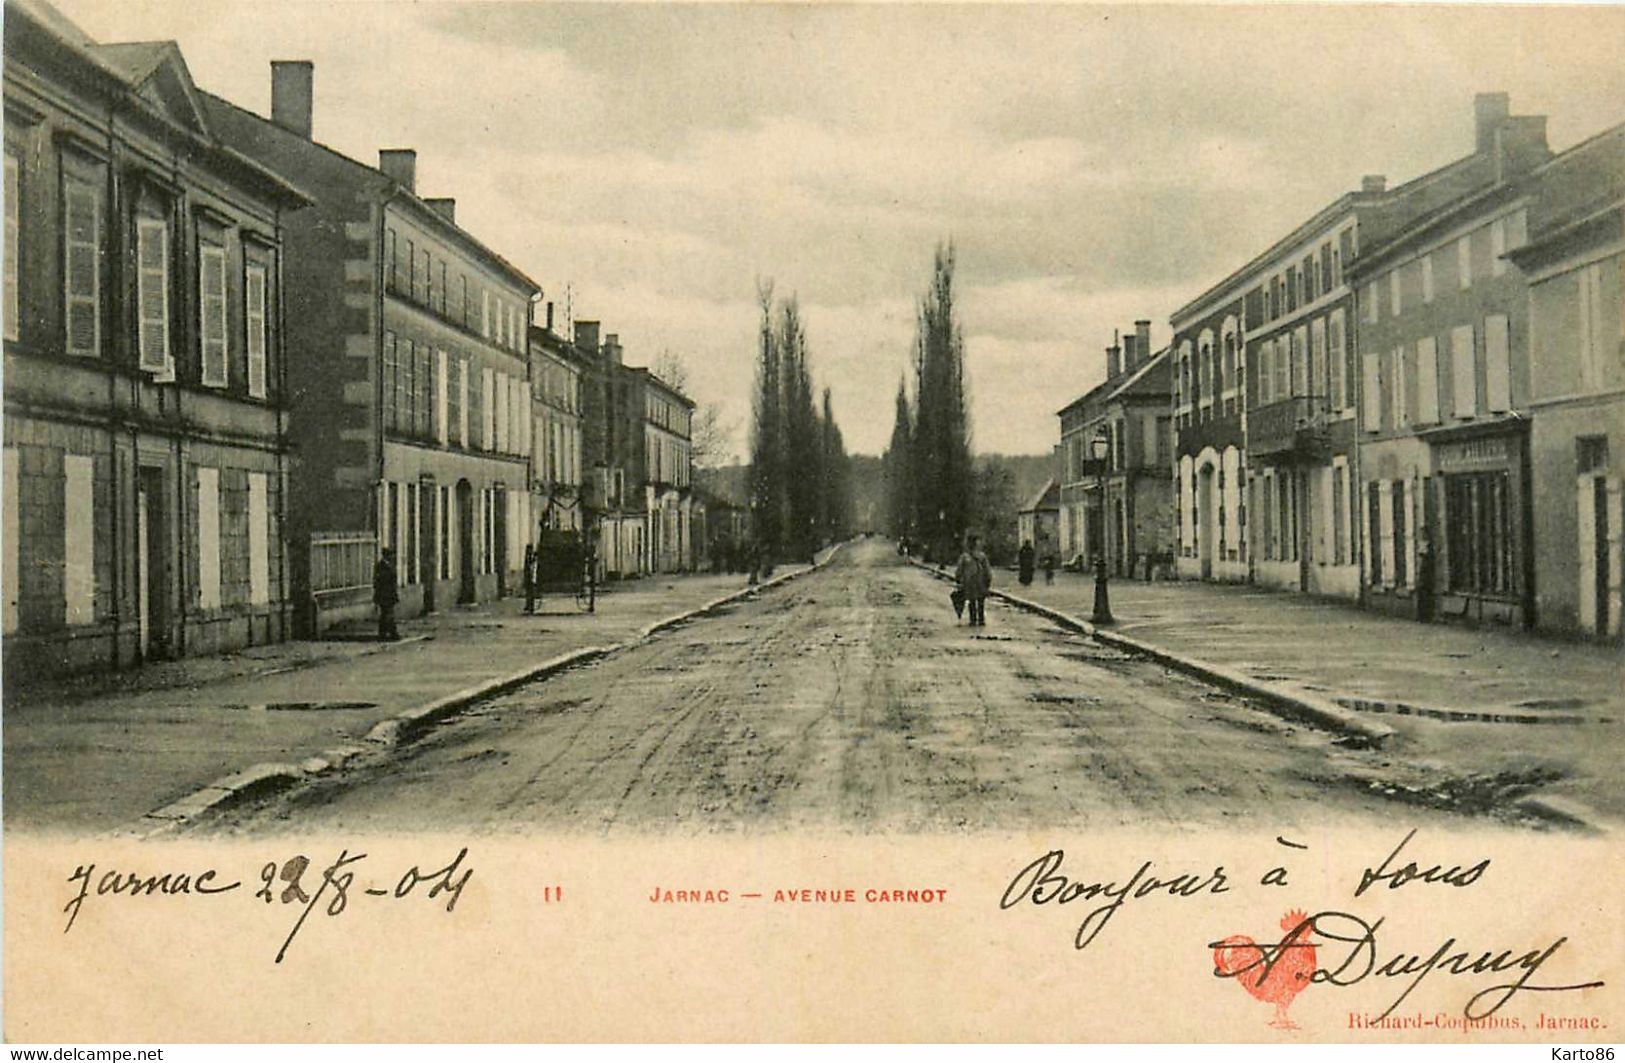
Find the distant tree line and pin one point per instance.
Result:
(800, 477)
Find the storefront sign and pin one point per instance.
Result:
(1495, 452)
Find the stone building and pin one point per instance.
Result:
(145, 379)
(1129, 524)
(1574, 265)
(407, 365)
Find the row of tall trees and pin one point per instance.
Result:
(930, 482)
(800, 477)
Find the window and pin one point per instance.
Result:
(412, 270)
(1427, 381)
(1317, 359)
(425, 296)
(208, 537)
(1336, 361)
(212, 312)
(1497, 364)
(463, 310)
(13, 251)
(390, 258)
(1463, 373)
(1398, 416)
(1464, 261)
(463, 400)
(152, 293)
(79, 539)
(1283, 366)
(1427, 278)
(1394, 282)
(1594, 342)
(485, 313)
(441, 306)
(255, 318)
(391, 368)
(423, 409)
(259, 539)
(1372, 306)
(1371, 400)
(81, 269)
(488, 429)
(406, 386)
(442, 412)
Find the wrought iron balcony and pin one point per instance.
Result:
(1292, 429)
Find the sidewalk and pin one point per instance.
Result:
(1476, 701)
(98, 754)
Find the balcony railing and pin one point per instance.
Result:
(1290, 428)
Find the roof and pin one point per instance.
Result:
(1341, 205)
(231, 118)
(1139, 381)
(1452, 212)
(154, 75)
(1048, 497)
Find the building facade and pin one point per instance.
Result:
(1574, 265)
(1039, 522)
(1445, 491)
(145, 397)
(668, 470)
(1207, 370)
(1118, 508)
(408, 352)
(557, 496)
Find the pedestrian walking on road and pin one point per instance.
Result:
(974, 576)
(385, 594)
(1024, 563)
(530, 579)
(1049, 569)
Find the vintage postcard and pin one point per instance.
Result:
(813, 522)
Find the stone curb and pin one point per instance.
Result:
(404, 726)
(1290, 701)
(1562, 811)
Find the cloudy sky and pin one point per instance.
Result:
(1092, 164)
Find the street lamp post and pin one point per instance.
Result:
(1100, 447)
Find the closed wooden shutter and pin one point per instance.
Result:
(254, 299)
(13, 249)
(82, 266)
(212, 313)
(152, 294)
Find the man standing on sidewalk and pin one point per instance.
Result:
(385, 594)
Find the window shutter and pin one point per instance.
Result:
(254, 297)
(1463, 371)
(1427, 381)
(1497, 363)
(13, 307)
(152, 284)
(82, 267)
(1372, 398)
(442, 389)
(212, 313)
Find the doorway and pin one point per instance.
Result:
(429, 544)
(1206, 520)
(466, 576)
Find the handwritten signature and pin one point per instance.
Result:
(290, 881)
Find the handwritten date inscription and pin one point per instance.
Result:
(294, 881)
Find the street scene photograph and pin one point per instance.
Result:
(711, 420)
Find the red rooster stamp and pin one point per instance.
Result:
(1275, 974)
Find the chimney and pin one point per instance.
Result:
(291, 94)
(1373, 182)
(1520, 145)
(445, 207)
(1490, 109)
(612, 348)
(550, 315)
(1142, 339)
(1130, 355)
(587, 335)
(1114, 360)
(400, 165)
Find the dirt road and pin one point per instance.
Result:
(849, 700)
